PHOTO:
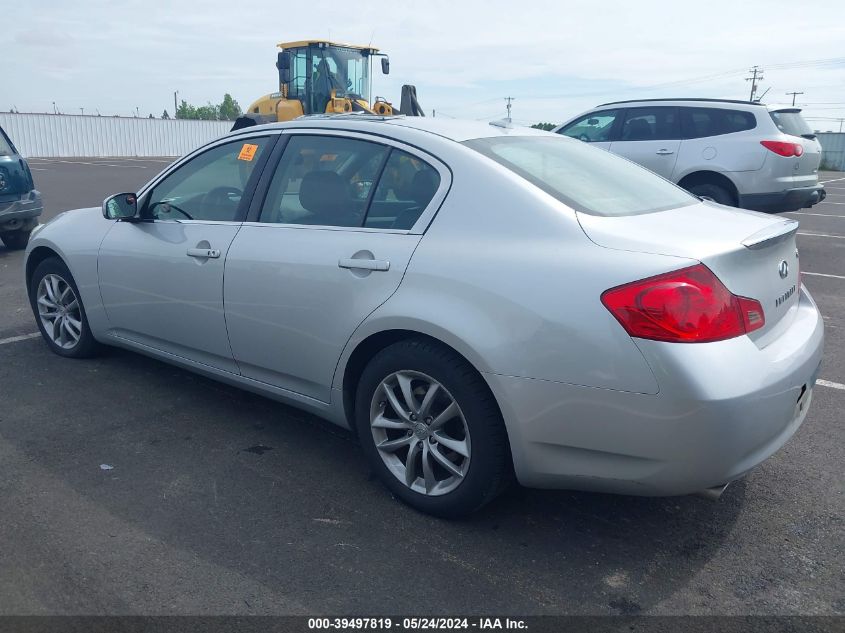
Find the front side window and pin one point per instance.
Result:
(5, 145)
(585, 178)
(650, 124)
(209, 186)
(592, 128)
(324, 181)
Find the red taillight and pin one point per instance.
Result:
(689, 305)
(783, 148)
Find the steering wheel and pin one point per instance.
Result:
(220, 196)
(170, 207)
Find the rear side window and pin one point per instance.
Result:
(585, 178)
(791, 122)
(651, 124)
(406, 187)
(702, 122)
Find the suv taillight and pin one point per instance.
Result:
(689, 305)
(783, 148)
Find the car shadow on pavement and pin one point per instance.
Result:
(142, 477)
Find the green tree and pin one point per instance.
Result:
(545, 126)
(164, 115)
(229, 109)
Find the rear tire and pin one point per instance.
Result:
(16, 240)
(459, 421)
(715, 193)
(59, 313)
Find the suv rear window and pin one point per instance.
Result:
(6, 148)
(701, 122)
(588, 179)
(791, 122)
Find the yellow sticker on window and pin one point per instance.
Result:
(248, 152)
(328, 158)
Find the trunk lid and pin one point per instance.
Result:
(746, 250)
(15, 178)
(790, 122)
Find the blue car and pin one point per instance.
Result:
(20, 202)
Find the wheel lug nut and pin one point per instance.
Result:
(382, 404)
(428, 420)
(413, 417)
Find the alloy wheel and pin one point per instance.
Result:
(420, 432)
(59, 311)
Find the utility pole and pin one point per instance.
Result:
(82, 111)
(756, 76)
(55, 111)
(794, 94)
(509, 100)
(175, 107)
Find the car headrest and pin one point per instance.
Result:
(423, 187)
(323, 193)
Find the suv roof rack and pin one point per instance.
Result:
(684, 99)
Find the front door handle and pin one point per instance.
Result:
(363, 264)
(204, 253)
(664, 152)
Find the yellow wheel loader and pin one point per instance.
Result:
(322, 77)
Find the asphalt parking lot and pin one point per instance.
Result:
(219, 501)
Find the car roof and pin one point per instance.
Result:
(454, 129)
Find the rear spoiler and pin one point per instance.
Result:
(771, 235)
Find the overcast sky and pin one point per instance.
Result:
(464, 56)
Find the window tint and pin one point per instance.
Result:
(592, 127)
(701, 122)
(209, 186)
(791, 122)
(323, 180)
(6, 148)
(650, 124)
(406, 187)
(585, 178)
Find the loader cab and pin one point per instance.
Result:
(325, 76)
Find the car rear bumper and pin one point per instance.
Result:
(21, 214)
(787, 200)
(722, 409)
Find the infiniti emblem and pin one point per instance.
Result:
(783, 269)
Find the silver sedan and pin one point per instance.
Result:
(476, 302)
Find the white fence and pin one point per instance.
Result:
(833, 150)
(61, 135)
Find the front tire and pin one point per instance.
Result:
(431, 429)
(58, 310)
(15, 240)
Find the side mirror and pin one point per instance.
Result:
(385, 65)
(283, 64)
(121, 206)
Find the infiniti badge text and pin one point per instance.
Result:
(786, 295)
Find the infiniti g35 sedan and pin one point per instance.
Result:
(475, 302)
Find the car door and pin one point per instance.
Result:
(596, 128)
(328, 244)
(161, 276)
(650, 136)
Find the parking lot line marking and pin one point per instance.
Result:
(832, 385)
(824, 182)
(804, 272)
(22, 337)
(821, 215)
(838, 237)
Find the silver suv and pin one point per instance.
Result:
(737, 153)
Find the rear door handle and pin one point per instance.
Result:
(664, 152)
(204, 253)
(364, 264)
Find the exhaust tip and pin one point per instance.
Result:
(711, 494)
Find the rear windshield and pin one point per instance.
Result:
(585, 178)
(791, 122)
(5, 145)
